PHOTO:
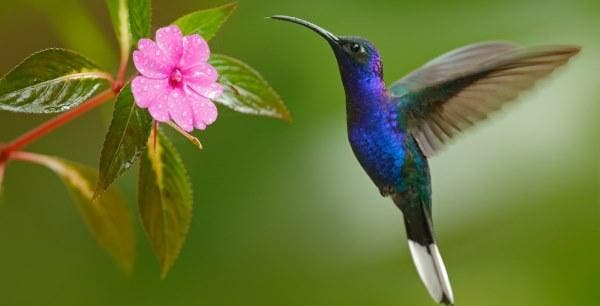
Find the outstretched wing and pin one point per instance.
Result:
(459, 88)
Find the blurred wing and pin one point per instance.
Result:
(459, 88)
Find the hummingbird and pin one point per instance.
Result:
(393, 130)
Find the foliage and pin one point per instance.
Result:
(164, 200)
(125, 140)
(61, 81)
(245, 90)
(51, 81)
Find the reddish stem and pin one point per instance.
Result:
(11, 150)
(122, 70)
(2, 168)
(154, 134)
(56, 122)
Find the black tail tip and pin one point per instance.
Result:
(446, 300)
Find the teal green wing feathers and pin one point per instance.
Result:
(454, 91)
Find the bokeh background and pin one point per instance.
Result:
(283, 213)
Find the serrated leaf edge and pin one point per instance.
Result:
(233, 6)
(99, 190)
(285, 113)
(154, 153)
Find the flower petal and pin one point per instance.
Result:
(159, 110)
(150, 61)
(146, 90)
(180, 110)
(170, 41)
(195, 51)
(210, 90)
(204, 111)
(200, 73)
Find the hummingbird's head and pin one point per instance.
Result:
(357, 55)
(357, 58)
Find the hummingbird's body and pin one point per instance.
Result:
(393, 130)
(374, 134)
(380, 139)
(383, 146)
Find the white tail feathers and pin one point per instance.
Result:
(432, 271)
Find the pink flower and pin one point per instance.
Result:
(176, 82)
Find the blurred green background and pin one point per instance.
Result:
(284, 215)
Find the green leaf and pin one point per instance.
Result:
(131, 20)
(125, 141)
(51, 81)
(245, 90)
(205, 22)
(108, 217)
(164, 200)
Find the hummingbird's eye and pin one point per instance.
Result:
(356, 48)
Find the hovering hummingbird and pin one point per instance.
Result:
(393, 130)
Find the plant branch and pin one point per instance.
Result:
(56, 122)
(154, 134)
(2, 168)
(120, 82)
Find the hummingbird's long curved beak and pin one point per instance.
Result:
(330, 37)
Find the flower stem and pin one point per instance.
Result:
(154, 134)
(2, 168)
(56, 122)
(195, 141)
(120, 82)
